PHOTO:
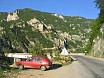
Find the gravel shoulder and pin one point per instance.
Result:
(61, 72)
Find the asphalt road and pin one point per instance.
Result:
(88, 67)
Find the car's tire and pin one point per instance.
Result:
(21, 67)
(43, 68)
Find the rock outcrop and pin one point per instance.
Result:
(12, 16)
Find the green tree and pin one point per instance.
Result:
(95, 31)
(36, 49)
(96, 25)
(100, 5)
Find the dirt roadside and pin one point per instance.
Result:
(62, 72)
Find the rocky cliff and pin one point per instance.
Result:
(98, 44)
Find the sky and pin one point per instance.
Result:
(83, 8)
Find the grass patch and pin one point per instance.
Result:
(2, 75)
(8, 73)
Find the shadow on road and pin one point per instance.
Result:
(55, 66)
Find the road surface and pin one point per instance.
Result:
(84, 67)
(88, 67)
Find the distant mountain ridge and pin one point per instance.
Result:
(26, 27)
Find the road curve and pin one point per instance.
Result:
(88, 67)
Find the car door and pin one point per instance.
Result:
(38, 62)
(29, 62)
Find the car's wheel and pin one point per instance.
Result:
(21, 67)
(43, 68)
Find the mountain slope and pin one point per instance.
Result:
(26, 27)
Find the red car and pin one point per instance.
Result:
(35, 62)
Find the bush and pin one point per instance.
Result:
(57, 59)
(2, 75)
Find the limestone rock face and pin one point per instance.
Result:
(33, 22)
(76, 37)
(98, 44)
(59, 42)
(60, 16)
(40, 27)
(12, 16)
(37, 24)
